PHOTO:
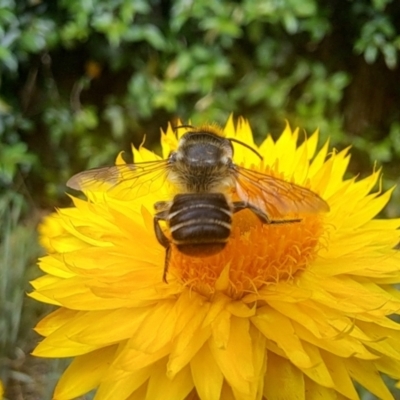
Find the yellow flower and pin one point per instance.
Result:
(290, 311)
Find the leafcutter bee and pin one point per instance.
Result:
(199, 217)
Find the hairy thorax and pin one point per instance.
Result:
(201, 178)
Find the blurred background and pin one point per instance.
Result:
(81, 80)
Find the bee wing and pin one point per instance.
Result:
(144, 177)
(275, 196)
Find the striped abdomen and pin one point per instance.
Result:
(200, 222)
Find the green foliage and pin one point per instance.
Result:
(18, 253)
(378, 33)
(92, 76)
(13, 151)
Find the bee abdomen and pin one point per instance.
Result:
(200, 222)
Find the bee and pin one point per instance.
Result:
(199, 217)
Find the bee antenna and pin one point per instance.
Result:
(248, 147)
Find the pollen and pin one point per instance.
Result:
(256, 255)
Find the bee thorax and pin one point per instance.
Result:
(201, 179)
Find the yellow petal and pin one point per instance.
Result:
(160, 322)
(338, 372)
(221, 329)
(130, 360)
(367, 375)
(55, 266)
(110, 389)
(84, 373)
(91, 330)
(318, 392)
(340, 345)
(285, 337)
(318, 372)
(186, 345)
(207, 376)
(259, 353)
(283, 380)
(55, 320)
(162, 388)
(235, 361)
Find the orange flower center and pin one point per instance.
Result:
(256, 254)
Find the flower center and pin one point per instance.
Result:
(255, 255)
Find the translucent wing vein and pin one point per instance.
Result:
(276, 197)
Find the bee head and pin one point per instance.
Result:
(204, 148)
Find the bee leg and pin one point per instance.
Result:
(163, 240)
(284, 221)
(166, 263)
(161, 206)
(241, 205)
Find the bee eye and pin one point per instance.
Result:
(172, 156)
